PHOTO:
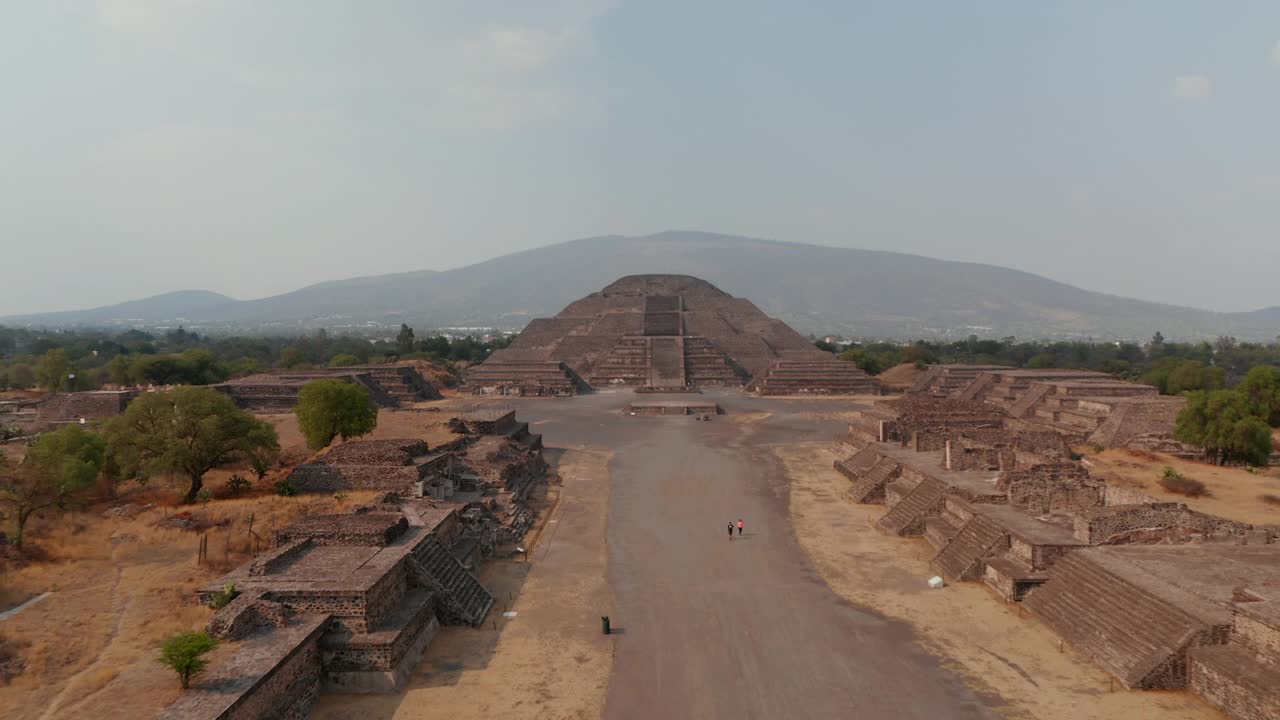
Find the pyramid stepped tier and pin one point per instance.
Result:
(704, 364)
(389, 386)
(948, 380)
(539, 377)
(703, 336)
(815, 377)
(1005, 387)
(626, 364)
(1134, 623)
(1230, 678)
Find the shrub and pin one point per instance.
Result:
(184, 653)
(1178, 484)
(224, 596)
(339, 496)
(204, 496)
(284, 488)
(238, 484)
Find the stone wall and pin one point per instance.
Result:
(1154, 523)
(245, 615)
(1045, 489)
(70, 407)
(272, 560)
(272, 677)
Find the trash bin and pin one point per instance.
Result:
(604, 624)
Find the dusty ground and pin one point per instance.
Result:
(119, 586)
(988, 642)
(1234, 492)
(899, 377)
(550, 661)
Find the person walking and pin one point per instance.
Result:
(730, 531)
(740, 524)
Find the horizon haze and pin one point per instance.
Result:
(168, 146)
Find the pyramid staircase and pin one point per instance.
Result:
(704, 364)
(464, 599)
(869, 488)
(666, 362)
(1135, 635)
(907, 517)
(962, 557)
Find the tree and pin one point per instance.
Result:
(1223, 423)
(1261, 386)
(185, 652)
(21, 376)
(1172, 376)
(118, 370)
(343, 360)
(292, 357)
(404, 339)
(187, 431)
(57, 472)
(328, 408)
(53, 370)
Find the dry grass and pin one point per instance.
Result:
(1233, 491)
(1185, 486)
(120, 585)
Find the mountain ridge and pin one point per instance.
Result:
(815, 288)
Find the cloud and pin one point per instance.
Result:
(1191, 88)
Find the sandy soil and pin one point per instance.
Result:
(1234, 492)
(550, 661)
(988, 642)
(899, 377)
(119, 586)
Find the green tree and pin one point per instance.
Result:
(184, 653)
(118, 370)
(59, 469)
(1262, 388)
(187, 431)
(343, 360)
(21, 376)
(292, 357)
(53, 370)
(1173, 376)
(1223, 423)
(1042, 360)
(329, 408)
(404, 339)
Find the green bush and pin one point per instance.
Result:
(238, 484)
(224, 596)
(184, 653)
(284, 488)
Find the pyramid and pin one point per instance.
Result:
(654, 331)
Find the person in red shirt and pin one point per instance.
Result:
(740, 524)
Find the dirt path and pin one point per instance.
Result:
(550, 661)
(741, 628)
(987, 641)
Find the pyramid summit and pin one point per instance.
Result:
(653, 331)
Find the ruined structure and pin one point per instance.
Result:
(660, 331)
(345, 603)
(390, 386)
(349, 602)
(1084, 406)
(77, 406)
(1150, 590)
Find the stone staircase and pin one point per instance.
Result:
(1136, 636)
(666, 362)
(940, 529)
(857, 464)
(907, 517)
(962, 557)
(949, 380)
(869, 488)
(820, 376)
(465, 600)
(403, 384)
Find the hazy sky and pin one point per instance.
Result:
(252, 146)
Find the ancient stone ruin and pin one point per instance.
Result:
(1156, 593)
(667, 332)
(349, 602)
(390, 386)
